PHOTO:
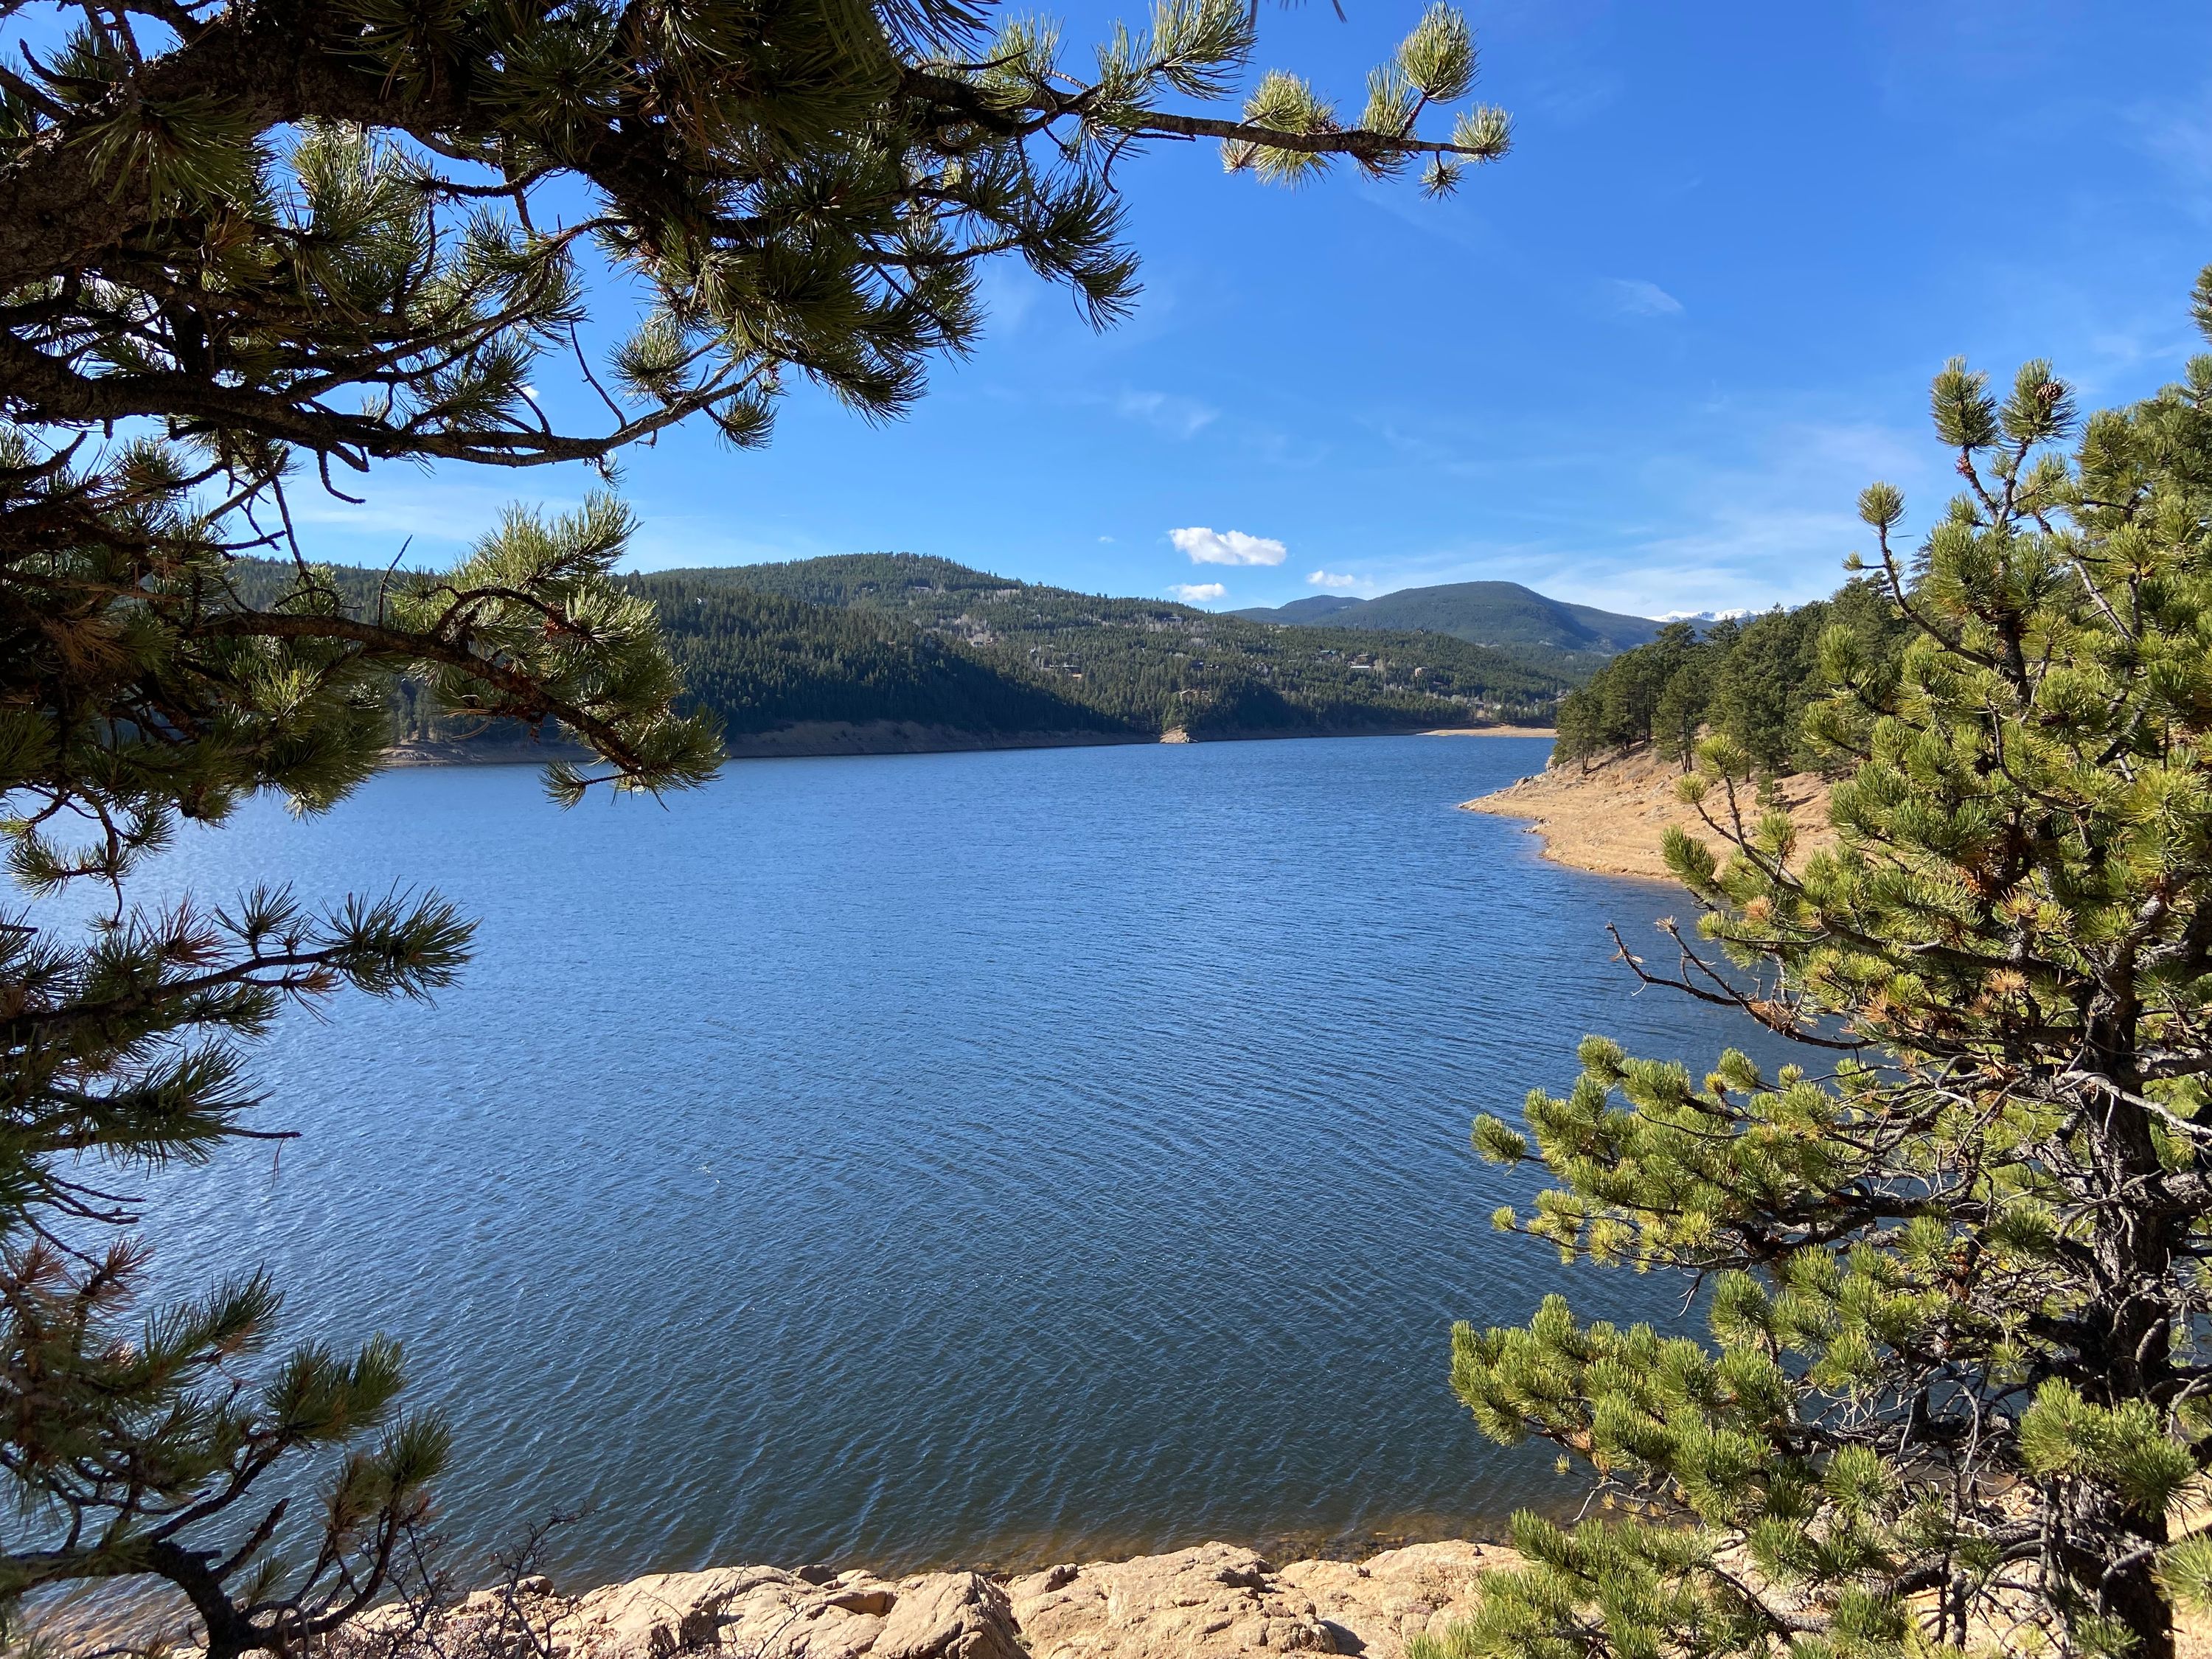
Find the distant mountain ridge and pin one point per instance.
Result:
(1134, 667)
(871, 652)
(1498, 614)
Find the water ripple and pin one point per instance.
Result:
(987, 1158)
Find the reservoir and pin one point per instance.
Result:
(989, 1158)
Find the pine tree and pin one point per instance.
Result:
(1578, 730)
(1680, 714)
(253, 246)
(1953, 1393)
(1762, 689)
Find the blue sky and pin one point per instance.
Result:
(1646, 362)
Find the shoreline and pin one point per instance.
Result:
(1610, 818)
(818, 740)
(1214, 1600)
(1544, 732)
(1211, 1601)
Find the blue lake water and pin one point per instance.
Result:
(983, 1158)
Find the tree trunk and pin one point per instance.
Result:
(2131, 1353)
(2137, 1601)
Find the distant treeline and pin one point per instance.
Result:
(899, 638)
(1749, 681)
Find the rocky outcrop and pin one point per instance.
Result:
(763, 1611)
(736, 1612)
(1216, 1601)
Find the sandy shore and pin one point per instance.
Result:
(819, 738)
(1544, 732)
(808, 738)
(438, 753)
(1610, 819)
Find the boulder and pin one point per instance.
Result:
(764, 1612)
(1211, 1602)
(1381, 1603)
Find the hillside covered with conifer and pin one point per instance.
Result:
(916, 652)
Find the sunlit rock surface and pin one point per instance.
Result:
(1211, 1602)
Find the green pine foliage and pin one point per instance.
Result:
(252, 249)
(1751, 681)
(140, 1444)
(282, 196)
(1953, 1392)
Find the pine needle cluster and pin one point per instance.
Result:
(1955, 1394)
(253, 247)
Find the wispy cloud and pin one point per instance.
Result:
(2177, 136)
(1199, 593)
(1769, 525)
(1009, 294)
(1169, 412)
(1332, 581)
(1227, 546)
(1573, 98)
(1638, 298)
(433, 518)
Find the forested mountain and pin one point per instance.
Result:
(761, 662)
(1140, 666)
(896, 638)
(1483, 613)
(1749, 680)
(1302, 612)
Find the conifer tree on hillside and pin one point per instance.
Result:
(1678, 717)
(1749, 682)
(252, 247)
(1954, 1392)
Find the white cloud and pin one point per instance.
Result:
(1199, 593)
(1331, 578)
(1227, 546)
(1641, 299)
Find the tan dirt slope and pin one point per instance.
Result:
(1611, 817)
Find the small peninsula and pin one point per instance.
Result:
(1611, 816)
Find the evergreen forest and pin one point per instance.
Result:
(901, 638)
(1750, 680)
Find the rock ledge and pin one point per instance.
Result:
(1215, 1601)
